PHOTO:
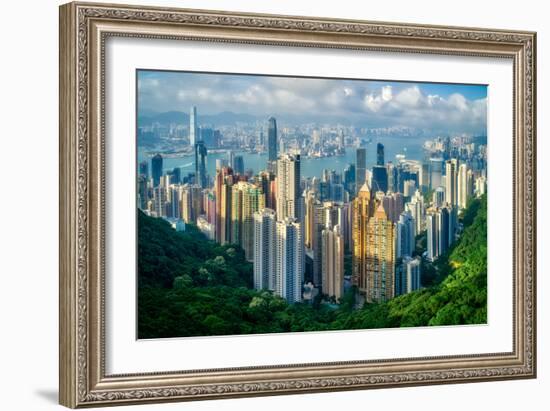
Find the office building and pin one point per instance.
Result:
(200, 164)
(238, 165)
(156, 169)
(405, 235)
(272, 144)
(193, 127)
(379, 178)
(360, 167)
(380, 155)
(144, 169)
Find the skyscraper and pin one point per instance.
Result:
(436, 167)
(405, 233)
(200, 164)
(246, 199)
(223, 174)
(289, 193)
(238, 165)
(379, 178)
(144, 169)
(480, 186)
(451, 181)
(378, 284)
(193, 127)
(408, 276)
(156, 169)
(465, 185)
(317, 242)
(362, 211)
(438, 197)
(265, 252)
(272, 145)
(333, 262)
(349, 178)
(360, 167)
(417, 210)
(289, 266)
(441, 226)
(379, 154)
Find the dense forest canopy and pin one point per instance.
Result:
(190, 286)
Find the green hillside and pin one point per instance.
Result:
(191, 286)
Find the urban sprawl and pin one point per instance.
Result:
(297, 231)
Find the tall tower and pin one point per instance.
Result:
(451, 181)
(156, 169)
(362, 210)
(289, 266)
(360, 167)
(380, 258)
(318, 220)
(193, 127)
(289, 193)
(465, 185)
(272, 147)
(333, 262)
(246, 200)
(264, 249)
(436, 166)
(380, 154)
(200, 163)
(405, 232)
(221, 175)
(379, 178)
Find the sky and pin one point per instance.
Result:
(452, 108)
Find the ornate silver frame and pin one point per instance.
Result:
(83, 30)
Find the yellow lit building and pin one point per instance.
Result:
(373, 248)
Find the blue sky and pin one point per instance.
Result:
(455, 108)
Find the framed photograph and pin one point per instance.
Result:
(260, 205)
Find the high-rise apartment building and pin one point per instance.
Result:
(289, 264)
(405, 235)
(408, 276)
(333, 262)
(246, 200)
(265, 252)
(289, 192)
(465, 185)
(378, 283)
(451, 181)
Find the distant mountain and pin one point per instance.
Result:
(180, 117)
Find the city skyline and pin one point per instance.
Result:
(355, 236)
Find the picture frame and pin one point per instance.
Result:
(84, 30)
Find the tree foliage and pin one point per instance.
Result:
(190, 286)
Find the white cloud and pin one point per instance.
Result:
(378, 104)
